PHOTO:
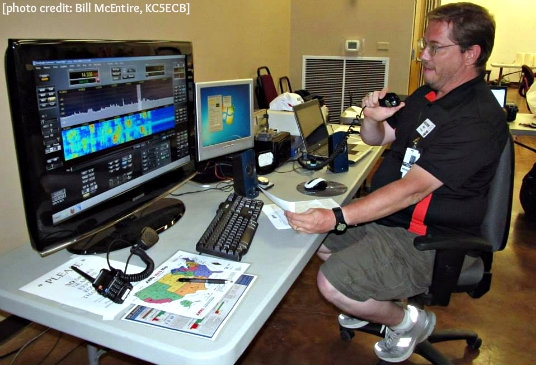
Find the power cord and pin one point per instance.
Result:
(28, 343)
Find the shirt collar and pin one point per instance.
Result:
(456, 96)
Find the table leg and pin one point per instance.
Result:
(93, 354)
(500, 75)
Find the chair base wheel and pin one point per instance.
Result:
(346, 334)
(474, 343)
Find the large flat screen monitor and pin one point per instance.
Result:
(102, 133)
(224, 117)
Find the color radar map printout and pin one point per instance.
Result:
(165, 292)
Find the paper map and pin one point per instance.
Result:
(163, 291)
(207, 327)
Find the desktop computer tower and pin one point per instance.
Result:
(245, 174)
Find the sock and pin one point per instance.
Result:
(407, 321)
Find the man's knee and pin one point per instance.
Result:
(327, 290)
(323, 252)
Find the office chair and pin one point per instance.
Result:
(527, 79)
(284, 84)
(265, 89)
(462, 263)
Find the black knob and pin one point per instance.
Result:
(390, 100)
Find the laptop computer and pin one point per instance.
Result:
(315, 135)
(312, 127)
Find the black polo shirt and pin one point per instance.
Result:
(462, 150)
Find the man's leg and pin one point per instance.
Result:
(385, 312)
(377, 267)
(323, 252)
(405, 327)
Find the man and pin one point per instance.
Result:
(446, 139)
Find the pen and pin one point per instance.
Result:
(201, 280)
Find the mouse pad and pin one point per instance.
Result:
(333, 188)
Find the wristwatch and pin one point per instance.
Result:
(340, 223)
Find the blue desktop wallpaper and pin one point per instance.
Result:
(235, 120)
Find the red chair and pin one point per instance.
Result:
(265, 90)
(527, 79)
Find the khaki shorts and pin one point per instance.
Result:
(378, 262)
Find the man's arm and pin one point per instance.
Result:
(415, 186)
(375, 131)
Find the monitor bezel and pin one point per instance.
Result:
(19, 56)
(205, 153)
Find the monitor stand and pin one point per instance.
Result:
(159, 216)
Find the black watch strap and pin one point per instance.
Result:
(340, 223)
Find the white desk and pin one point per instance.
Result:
(276, 257)
(518, 127)
(501, 66)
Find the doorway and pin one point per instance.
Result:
(422, 7)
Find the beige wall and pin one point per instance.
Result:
(321, 28)
(231, 39)
(234, 37)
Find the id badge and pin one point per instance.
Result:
(410, 157)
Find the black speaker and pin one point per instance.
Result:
(340, 161)
(245, 174)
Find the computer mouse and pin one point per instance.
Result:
(316, 184)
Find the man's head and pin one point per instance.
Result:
(471, 25)
(456, 45)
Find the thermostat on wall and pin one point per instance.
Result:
(352, 45)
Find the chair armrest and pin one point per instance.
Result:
(451, 250)
(453, 242)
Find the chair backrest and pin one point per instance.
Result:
(266, 91)
(496, 223)
(284, 85)
(476, 278)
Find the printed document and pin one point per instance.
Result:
(275, 212)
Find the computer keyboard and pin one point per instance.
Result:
(231, 231)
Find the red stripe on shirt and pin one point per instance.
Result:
(419, 213)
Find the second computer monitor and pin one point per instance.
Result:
(224, 117)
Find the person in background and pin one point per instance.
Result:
(446, 140)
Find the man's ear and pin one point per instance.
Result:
(472, 54)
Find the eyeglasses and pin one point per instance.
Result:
(432, 48)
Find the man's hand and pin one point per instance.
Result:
(314, 220)
(374, 111)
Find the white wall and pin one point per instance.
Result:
(515, 30)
